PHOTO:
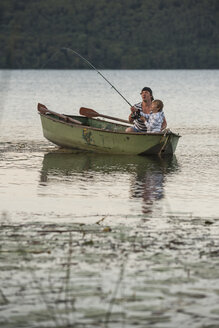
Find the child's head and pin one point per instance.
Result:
(157, 105)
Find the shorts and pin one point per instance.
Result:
(137, 130)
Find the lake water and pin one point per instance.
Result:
(162, 213)
(96, 185)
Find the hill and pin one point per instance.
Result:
(123, 34)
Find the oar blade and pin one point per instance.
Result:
(88, 112)
(41, 106)
(44, 110)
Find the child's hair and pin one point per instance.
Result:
(159, 104)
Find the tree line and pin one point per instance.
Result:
(120, 34)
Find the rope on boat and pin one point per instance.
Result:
(165, 142)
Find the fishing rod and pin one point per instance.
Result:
(86, 61)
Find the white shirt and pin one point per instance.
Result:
(154, 121)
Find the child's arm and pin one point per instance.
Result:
(144, 117)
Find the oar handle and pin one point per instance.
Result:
(114, 118)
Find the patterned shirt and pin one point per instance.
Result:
(154, 121)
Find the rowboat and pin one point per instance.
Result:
(87, 133)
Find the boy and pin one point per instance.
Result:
(154, 120)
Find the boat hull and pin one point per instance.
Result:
(105, 137)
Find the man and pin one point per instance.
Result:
(138, 111)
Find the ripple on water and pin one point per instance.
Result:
(26, 146)
(135, 275)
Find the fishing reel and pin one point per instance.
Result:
(136, 114)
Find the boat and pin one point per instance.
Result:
(88, 133)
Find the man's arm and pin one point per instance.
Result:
(133, 109)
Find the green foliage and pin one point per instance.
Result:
(125, 34)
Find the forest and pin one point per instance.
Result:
(111, 34)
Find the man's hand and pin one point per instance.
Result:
(142, 118)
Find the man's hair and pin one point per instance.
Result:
(149, 90)
(159, 104)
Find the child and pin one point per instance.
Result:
(154, 120)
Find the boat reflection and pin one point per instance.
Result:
(146, 174)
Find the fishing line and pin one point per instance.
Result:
(65, 50)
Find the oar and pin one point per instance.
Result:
(43, 109)
(88, 112)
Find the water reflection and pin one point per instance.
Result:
(147, 175)
(149, 180)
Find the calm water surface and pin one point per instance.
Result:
(87, 185)
(113, 241)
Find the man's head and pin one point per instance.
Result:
(147, 90)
